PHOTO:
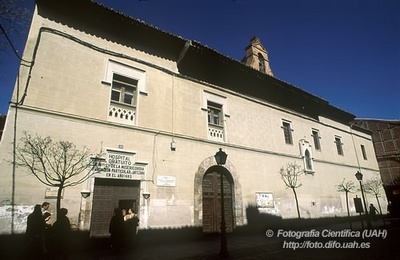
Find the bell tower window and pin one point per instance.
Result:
(261, 63)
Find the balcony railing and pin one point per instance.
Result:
(122, 114)
(215, 133)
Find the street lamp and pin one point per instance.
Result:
(146, 195)
(85, 193)
(220, 158)
(359, 177)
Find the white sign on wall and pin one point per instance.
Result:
(122, 165)
(264, 200)
(168, 181)
(51, 193)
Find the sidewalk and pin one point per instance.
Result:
(244, 243)
(259, 246)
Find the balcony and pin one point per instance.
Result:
(215, 133)
(120, 113)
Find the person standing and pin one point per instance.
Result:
(62, 233)
(131, 223)
(116, 230)
(372, 210)
(45, 211)
(35, 234)
(47, 236)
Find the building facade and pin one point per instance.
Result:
(159, 107)
(386, 139)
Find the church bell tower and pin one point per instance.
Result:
(257, 57)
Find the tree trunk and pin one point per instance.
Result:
(297, 202)
(58, 204)
(347, 204)
(379, 204)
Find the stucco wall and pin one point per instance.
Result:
(67, 99)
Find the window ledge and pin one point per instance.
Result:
(309, 172)
(120, 104)
(106, 83)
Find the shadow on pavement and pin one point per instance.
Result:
(252, 241)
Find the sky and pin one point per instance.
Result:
(346, 52)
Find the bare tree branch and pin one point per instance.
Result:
(55, 164)
(290, 176)
(373, 186)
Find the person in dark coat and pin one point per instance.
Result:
(131, 224)
(372, 210)
(35, 233)
(62, 232)
(116, 230)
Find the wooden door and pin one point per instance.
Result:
(109, 194)
(212, 203)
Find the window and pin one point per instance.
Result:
(261, 63)
(124, 90)
(215, 121)
(287, 132)
(308, 161)
(216, 108)
(339, 145)
(306, 154)
(364, 154)
(214, 113)
(316, 137)
(126, 84)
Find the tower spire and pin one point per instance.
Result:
(257, 57)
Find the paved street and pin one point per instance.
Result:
(259, 246)
(379, 242)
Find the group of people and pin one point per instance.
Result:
(44, 238)
(123, 228)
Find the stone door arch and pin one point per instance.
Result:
(212, 199)
(208, 167)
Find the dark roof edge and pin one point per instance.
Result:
(68, 10)
(378, 119)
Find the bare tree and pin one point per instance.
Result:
(290, 176)
(55, 164)
(373, 186)
(347, 187)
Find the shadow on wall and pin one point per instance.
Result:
(258, 223)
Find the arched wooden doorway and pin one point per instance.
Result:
(211, 194)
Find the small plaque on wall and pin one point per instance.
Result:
(51, 193)
(166, 181)
(264, 200)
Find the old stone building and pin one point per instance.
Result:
(159, 107)
(386, 139)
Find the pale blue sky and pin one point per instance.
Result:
(344, 51)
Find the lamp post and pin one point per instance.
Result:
(220, 158)
(359, 177)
